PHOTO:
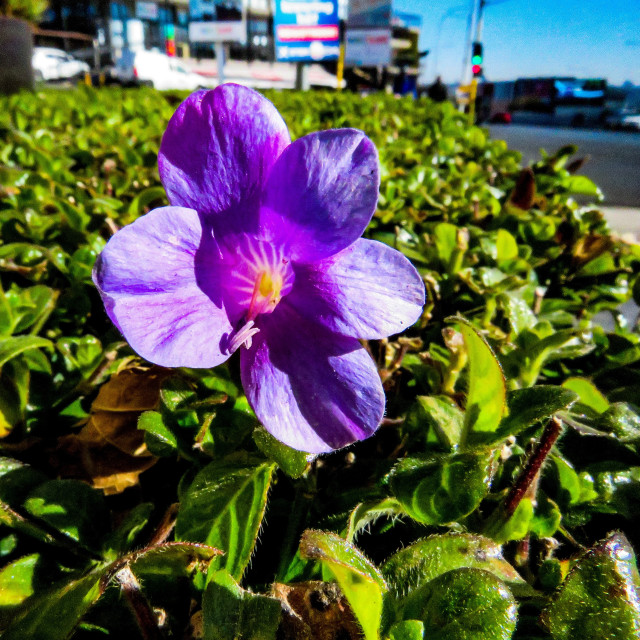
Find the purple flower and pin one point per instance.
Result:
(260, 251)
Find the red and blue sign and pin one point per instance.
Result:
(306, 30)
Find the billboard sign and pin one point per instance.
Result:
(147, 10)
(369, 13)
(306, 30)
(368, 47)
(216, 21)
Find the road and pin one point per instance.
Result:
(615, 155)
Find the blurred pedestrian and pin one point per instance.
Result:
(438, 91)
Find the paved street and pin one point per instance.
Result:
(615, 155)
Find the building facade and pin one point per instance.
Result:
(108, 26)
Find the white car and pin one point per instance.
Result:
(158, 70)
(55, 64)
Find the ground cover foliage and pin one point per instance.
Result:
(497, 500)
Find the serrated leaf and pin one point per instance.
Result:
(223, 508)
(360, 581)
(368, 512)
(442, 489)
(425, 560)
(231, 613)
(600, 597)
(530, 405)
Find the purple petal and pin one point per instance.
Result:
(218, 150)
(321, 194)
(313, 390)
(368, 290)
(152, 277)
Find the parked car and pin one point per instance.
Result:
(55, 64)
(156, 69)
(628, 117)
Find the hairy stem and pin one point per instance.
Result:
(533, 466)
(138, 604)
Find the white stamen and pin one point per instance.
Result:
(242, 336)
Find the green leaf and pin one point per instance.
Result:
(17, 479)
(445, 238)
(144, 199)
(407, 630)
(516, 527)
(581, 185)
(427, 559)
(600, 598)
(530, 405)
(231, 613)
(54, 614)
(360, 581)
(443, 416)
(15, 345)
(546, 517)
(506, 246)
(442, 489)
(463, 604)
(16, 580)
(224, 507)
(367, 512)
(124, 537)
(160, 440)
(621, 421)
(71, 507)
(587, 393)
(293, 463)
(487, 388)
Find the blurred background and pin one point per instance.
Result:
(530, 70)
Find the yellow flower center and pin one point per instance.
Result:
(267, 293)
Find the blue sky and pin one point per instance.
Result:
(584, 38)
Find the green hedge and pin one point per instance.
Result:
(440, 526)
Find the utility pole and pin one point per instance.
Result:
(466, 54)
(480, 20)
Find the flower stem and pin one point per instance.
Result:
(533, 466)
(138, 604)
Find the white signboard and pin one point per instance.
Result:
(235, 31)
(368, 47)
(147, 10)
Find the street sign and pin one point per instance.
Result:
(306, 30)
(368, 47)
(216, 21)
(217, 32)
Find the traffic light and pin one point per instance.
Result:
(170, 39)
(476, 59)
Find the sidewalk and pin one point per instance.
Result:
(625, 221)
(259, 74)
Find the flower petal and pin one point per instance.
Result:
(218, 150)
(368, 290)
(157, 281)
(313, 390)
(321, 193)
